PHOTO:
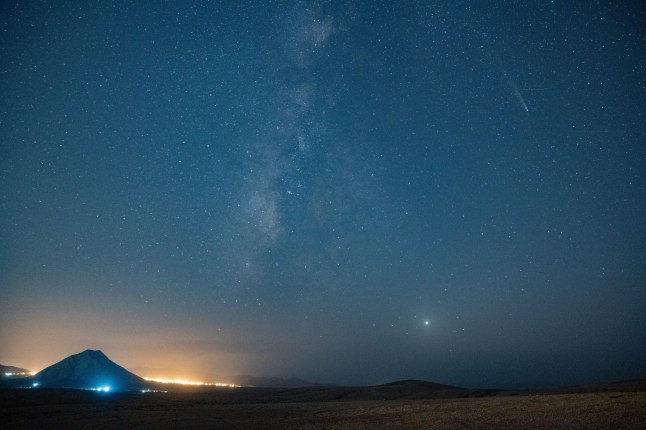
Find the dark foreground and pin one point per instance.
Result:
(278, 409)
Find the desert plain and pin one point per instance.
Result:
(408, 405)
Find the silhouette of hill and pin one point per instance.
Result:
(88, 370)
(398, 390)
(19, 371)
(14, 377)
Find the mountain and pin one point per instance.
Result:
(88, 370)
(13, 370)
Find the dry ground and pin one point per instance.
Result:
(73, 409)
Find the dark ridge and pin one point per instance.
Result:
(11, 369)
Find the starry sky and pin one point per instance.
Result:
(349, 192)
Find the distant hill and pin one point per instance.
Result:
(399, 390)
(88, 370)
(18, 371)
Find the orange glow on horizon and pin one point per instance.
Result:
(187, 382)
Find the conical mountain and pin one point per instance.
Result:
(88, 370)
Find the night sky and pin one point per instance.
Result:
(347, 192)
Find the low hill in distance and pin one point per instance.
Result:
(14, 377)
(398, 390)
(13, 371)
